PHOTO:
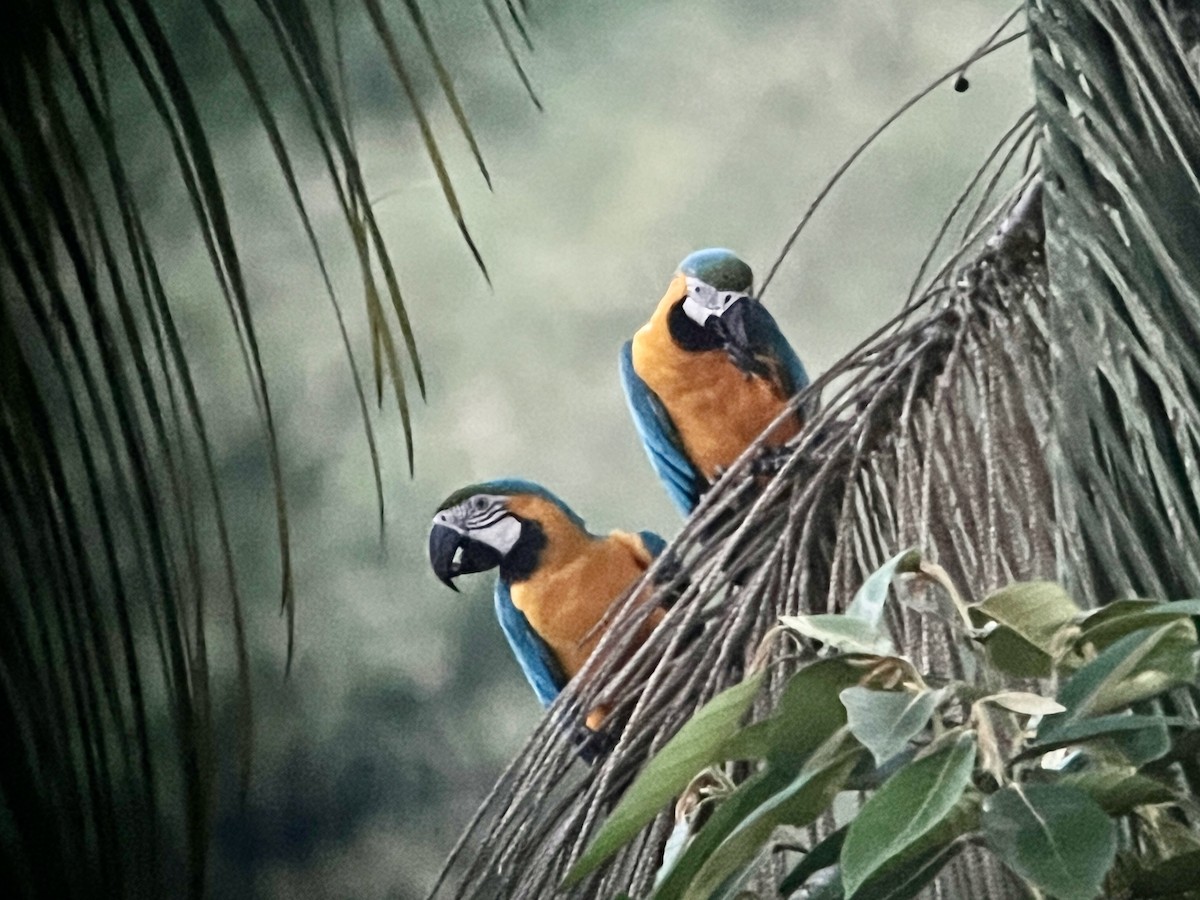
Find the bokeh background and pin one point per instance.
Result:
(668, 126)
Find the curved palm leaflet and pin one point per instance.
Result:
(115, 554)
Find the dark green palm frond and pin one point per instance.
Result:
(112, 521)
(502, 33)
(1118, 88)
(1033, 413)
(1119, 100)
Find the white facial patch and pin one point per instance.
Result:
(485, 518)
(447, 518)
(704, 300)
(501, 535)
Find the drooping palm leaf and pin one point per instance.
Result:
(1122, 151)
(1032, 414)
(112, 521)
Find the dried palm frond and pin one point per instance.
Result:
(111, 514)
(1034, 413)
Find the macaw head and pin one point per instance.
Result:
(501, 523)
(716, 295)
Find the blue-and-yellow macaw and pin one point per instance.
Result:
(556, 579)
(707, 374)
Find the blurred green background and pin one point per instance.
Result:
(668, 126)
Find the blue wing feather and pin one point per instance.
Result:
(536, 659)
(653, 543)
(660, 437)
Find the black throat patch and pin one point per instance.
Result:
(522, 559)
(688, 335)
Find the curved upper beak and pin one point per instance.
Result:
(452, 553)
(732, 327)
(731, 324)
(443, 547)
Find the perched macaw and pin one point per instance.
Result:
(707, 374)
(556, 579)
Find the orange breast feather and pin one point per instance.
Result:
(717, 409)
(577, 579)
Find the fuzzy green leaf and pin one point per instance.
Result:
(1112, 622)
(1025, 703)
(1174, 877)
(885, 721)
(1119, 790)
(868, 603)
(909, 805)
(1011, 654)
(1026, 618)
(752, 742)
(1137, 666)
(1144, 745)
(1033, 609)
(1062, 734)
(727, 817)
(677, 842)
(847, 634)
(907, 877)
(1055, 836)
(798, 804)
(698, 744)
(810, 711)
(823, 855)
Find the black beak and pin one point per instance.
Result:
(452, 553)
(733, 328)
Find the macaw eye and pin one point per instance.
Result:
(479, 504)
(706, 296)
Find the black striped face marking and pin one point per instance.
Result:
(484, 518)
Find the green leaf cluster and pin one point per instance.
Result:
(1041, 778)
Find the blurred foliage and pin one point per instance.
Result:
(1044, 778)
(114, 515)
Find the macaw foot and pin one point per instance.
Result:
(591, 745)
(770, 460)
(668, 567)
(694, 633)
